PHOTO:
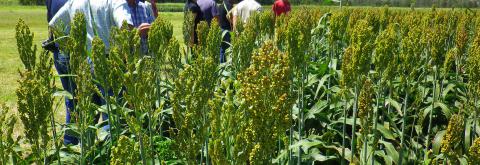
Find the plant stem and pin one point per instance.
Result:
(300, 121)
(151, 137)
(427, 140)
(375, 116)
(344, 129)
(404, 119)
(476, 119)
(54, 133)
(2, 150)
(142, 148)
(354, 142)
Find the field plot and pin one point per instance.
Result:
(321, 85)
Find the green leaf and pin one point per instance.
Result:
(317, 108)
(305, 144)
(391, 151)
(321, 84)
(386, 133)
(437, 141)
(447, 89)
(388, 160)
(445, 110)
(468, 132)
(395, 104)
(321, 158)
(63, 93)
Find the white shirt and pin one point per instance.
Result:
(105, 14)
(246, 8)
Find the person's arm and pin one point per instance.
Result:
(62, 17)
(234, 18)
(121, 12)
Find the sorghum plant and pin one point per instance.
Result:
(194, 87)
(452, 138)
(26, 50)
(473, 71)
(337, 27)
(359, 54)
(125, 152)
(385, 62)
(473, 64)
(224, 125)
(474, 152)
(410, 55)
(84, 113)
(139, 81)
(186, 112)
(298, 38)
(386, 51)
(265, 100)
(187, 28)
(35, 93)
(365, 113)
(7, 143)
(242, 48)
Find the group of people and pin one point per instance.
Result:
(102, 15)
(228, 14)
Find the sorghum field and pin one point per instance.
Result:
(318, 86)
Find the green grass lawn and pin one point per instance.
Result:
(35, 17)
(10, 62)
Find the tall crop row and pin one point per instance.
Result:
(335, 86)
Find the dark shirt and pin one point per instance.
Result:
(53, 6)
(194, 8)
(223, 11)
(209, 9)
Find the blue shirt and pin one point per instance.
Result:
(53, 6)
(141, 13)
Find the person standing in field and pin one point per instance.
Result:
(209, 10)
(192, 6)
(61, 63)
(100, 17)
(226, 27)
(281, 7)
(244, 10)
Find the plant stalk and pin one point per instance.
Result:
(404, 119)
(427, 140)
(354, 142)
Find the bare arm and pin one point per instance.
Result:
(234, 23)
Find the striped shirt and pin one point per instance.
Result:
(142, 13)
